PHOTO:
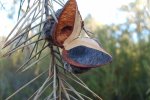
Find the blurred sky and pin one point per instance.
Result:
(104, 12)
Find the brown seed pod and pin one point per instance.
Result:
(69, 24)
(85, 53)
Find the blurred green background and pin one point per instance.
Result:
(126, 78)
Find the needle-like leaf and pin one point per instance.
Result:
(31, 59)
(63, 87)
(41, 91)
(25, 85)
(69, 86)
(84, 86)
(15, 27)
(32, 64)
(41, 88)
(15, 49)
(81, 95)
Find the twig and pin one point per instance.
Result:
(46, 9)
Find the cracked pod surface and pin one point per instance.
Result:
(85, 53)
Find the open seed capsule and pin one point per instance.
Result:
(85, 53)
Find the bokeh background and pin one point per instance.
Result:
(122, 27)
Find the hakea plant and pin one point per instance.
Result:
(70, 54)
